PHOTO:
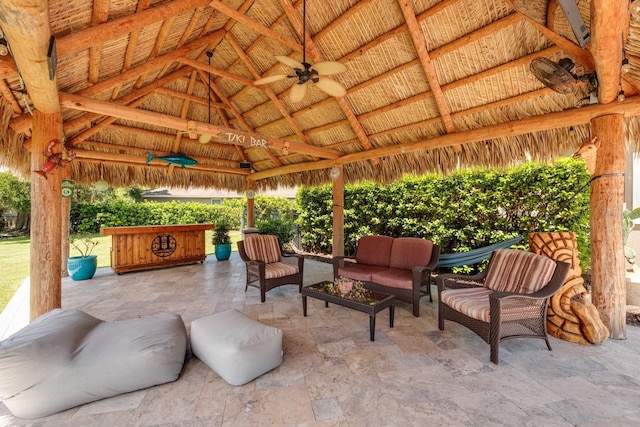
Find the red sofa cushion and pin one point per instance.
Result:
(394, 278)
(374, 250)
(359, 271)
(409, 252)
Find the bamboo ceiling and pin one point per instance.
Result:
(432, 85)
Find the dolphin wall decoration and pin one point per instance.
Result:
(179, 159)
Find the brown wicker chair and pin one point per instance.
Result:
(507, 300)
(262, 257)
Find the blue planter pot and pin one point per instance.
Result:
(223, 252)
(81, 268)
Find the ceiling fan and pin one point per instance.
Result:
(559, 76)
(307, 73)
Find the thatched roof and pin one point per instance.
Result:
(431, 86)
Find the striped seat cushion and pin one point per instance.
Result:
(474, 302)
(274, 270)
(512, 270)
(263, 247)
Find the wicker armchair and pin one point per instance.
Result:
(507, 300)
(265, 269)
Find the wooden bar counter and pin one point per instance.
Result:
(147, 247)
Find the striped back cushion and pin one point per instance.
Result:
(511, 270)
(263, 247)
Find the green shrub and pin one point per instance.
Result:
(280, 228)
(462, 211)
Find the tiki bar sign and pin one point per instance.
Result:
(246, 140)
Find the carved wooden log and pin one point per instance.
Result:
(570, 315)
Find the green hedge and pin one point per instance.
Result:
(89, 217)
(462, 211)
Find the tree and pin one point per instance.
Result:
(15, 195)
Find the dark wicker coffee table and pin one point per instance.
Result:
(370, 302)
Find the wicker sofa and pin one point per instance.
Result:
(399, 266)
(507, 300)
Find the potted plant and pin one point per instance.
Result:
(83, 266)
(222, 241)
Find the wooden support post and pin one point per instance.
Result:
(338, 212)
(251, 220)
(607, 196)
(46, 216)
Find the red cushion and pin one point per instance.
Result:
(374, 250)
(359, 272)
(394, 278)
(409, 252)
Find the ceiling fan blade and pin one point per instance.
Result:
(331, 87)
(270, 79)
(329, 68)
(298, 91)
(289, 62)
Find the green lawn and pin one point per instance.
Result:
(14, 260)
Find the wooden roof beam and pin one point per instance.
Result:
(25, 24)
(204, 67)
(574, 117)
(423, 54)
(609, 24)
(100, 15)
(239, 17)
(228, 136)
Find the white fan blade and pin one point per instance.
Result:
(298, 91)
(290, 62)
(329, 68)
(204, 138)
(270, 79)
(331, 87)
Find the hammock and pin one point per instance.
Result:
(474, 256)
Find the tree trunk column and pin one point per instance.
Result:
(46, 218)
(607, 196)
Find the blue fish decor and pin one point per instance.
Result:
(179, 159)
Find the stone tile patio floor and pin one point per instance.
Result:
(333, 375)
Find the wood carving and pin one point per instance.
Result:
(570, 316)
(588, 151)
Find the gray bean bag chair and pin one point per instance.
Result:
(66, 358)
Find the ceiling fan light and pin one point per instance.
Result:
(101, 185)
(626, 67)
(204, 138)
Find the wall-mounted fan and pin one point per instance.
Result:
(558, 75)
(306, 73)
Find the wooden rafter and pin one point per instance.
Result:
(427, 66)
(80, 103)
(549, 121)
(100, 15)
